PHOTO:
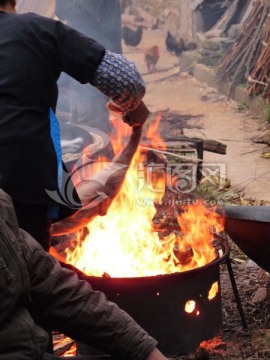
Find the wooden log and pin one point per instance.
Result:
(208, 144)
(181, 157)
(214, 147)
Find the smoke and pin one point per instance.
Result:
(100, 20)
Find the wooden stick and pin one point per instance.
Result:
(185, 158)
(255, 81)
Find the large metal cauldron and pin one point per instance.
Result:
(249, 228)
(157, 303)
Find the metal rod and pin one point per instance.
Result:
(236, 294)
(199, 148)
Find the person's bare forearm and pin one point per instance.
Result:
(155, 354)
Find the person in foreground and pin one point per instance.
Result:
(35, 50)
(36, 292)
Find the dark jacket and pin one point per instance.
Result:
(34, 289)
(34, 52)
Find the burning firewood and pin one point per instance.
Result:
(62, 345)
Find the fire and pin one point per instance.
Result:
(124, 243)
(190, 306)
(213, 291)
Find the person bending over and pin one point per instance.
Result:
(35, 50)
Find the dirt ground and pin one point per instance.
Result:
(212, 116)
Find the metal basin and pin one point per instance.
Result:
(249, 228)
(157, 303)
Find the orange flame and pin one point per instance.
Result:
(213, 291)
(190, 306)
(124, 243)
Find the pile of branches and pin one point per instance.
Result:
(259, 79)
(248, 60)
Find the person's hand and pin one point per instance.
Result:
(135, 117)
(155, 354)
